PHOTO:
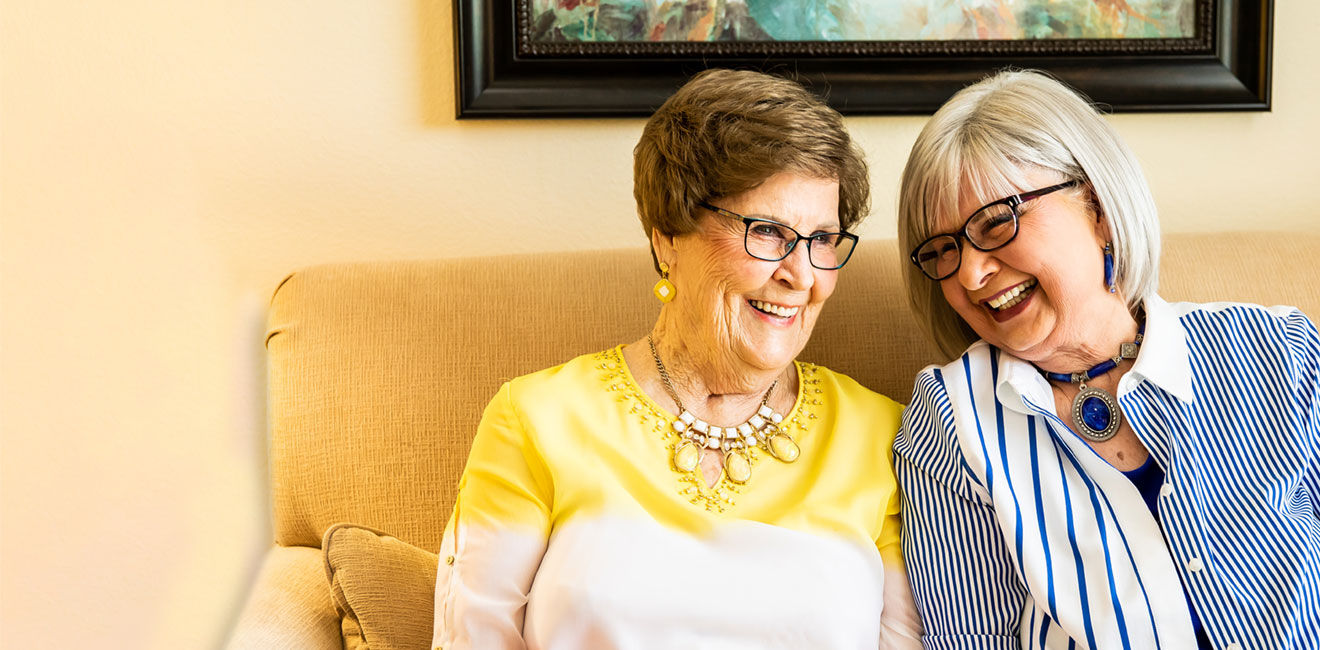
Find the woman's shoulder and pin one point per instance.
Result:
(977, 355)
(938, 388)
(1240, 319)
(929, 435)
(844, 387)
(1234, 311)
(859, 420)
(580, 374)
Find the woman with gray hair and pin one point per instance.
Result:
(1085, 472)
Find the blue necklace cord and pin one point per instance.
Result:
(1095, 413)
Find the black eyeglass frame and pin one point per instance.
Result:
(1013, 202)
(788, 250)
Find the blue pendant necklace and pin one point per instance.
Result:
(1095, 414)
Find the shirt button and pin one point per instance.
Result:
(449, 560)
(1195, 564)
(1166, 489)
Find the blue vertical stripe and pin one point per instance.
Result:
(1040, 516)
(1079, 565)
(1003, 459)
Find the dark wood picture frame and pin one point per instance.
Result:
(1225, 66)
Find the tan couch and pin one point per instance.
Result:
(379, 373)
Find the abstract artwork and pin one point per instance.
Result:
(857, 20)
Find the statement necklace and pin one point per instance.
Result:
(761, 430)
(1095, 414)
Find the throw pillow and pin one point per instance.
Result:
(382, 587)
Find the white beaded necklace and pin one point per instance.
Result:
(761, 430)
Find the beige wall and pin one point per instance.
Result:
(164, 163)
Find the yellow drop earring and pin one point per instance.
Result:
(664, 289)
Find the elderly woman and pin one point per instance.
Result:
(698, 487)
(1101, 469)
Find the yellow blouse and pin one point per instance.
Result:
(572, 528)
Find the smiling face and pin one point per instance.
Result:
(1042, 296)
(742, 313)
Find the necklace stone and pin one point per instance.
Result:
(695, 435)
(1095, 413)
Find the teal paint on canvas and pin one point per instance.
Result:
(857, 20)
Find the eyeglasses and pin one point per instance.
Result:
(772, 241)
(992, 226)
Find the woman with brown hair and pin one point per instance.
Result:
(698, 487)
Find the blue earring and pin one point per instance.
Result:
(1109, 268)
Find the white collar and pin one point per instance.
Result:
(1163, 360)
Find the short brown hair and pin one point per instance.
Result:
(725, 132)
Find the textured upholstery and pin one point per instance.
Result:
(379, 372)
(289, 606)
(383, 588)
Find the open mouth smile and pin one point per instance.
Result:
(773, 309)
(1011, 298)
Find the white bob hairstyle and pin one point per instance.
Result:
(987, 136)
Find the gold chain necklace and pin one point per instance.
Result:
(761, 430)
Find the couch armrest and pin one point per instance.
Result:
(290, 605)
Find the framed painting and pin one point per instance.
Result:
(554, 58)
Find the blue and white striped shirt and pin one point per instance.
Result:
(1017, 534)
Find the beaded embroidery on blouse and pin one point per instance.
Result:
(720, 496)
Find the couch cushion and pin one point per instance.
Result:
(289, 606)
(382, 587)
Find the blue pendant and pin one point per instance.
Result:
(1095, 415)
